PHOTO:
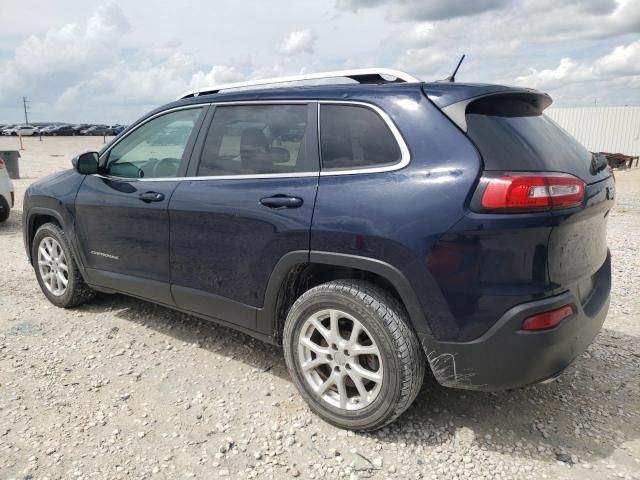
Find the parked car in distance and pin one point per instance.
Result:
(7, 195)
(24, 130)
(82, 126)
(63, 130)
(96, 130)
(118, 129)
(375, 230)
(175, 135)
(44, 130)
(47, 129)
(8, 126)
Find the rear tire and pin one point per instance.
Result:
(358, 391)
(56, 270)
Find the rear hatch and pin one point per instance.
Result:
(514, 136)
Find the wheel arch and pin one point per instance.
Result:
(37, 217)
(297, 272)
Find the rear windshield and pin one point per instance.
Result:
(521, 139)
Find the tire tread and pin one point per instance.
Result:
(80, 291)
(395, 320)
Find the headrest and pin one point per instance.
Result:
(254, 147)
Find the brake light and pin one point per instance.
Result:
(523, 191)
(1, 164)
(545, 320)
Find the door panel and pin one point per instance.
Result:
(122, 218)
(121, 233)
(252, 204)
(225, 243)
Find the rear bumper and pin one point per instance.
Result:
(506, 357)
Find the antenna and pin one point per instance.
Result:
(452, 77)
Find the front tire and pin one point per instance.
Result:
(352, 354)
(56, 270)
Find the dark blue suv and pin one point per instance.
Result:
(372, 229)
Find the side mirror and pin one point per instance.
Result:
(86, 163)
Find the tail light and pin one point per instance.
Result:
(1, 164)
(545, 320)
(531, 191)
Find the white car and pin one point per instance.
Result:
(7, 195)
(24, 130)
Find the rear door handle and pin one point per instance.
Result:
(281, 201)
(149, 197)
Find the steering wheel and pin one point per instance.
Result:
(167, 167)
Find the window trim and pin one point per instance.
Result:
(309, 144)
(104, 155)
(405, 157)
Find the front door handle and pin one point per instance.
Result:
(149, 197)
(281, 201)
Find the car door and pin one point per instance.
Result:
(122, 221)
(248, 201)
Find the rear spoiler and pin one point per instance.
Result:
(456, 102)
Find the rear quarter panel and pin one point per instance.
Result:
(398, 216)
(578, 241)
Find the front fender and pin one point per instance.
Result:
(53, 196)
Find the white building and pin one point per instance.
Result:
(602, 129)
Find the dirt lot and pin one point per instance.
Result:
(121, 388)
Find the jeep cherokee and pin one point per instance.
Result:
(374, 229)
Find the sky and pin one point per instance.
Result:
(110, 62)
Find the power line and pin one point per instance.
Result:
(27, 109)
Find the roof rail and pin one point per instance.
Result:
(362, 75)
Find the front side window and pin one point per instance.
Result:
(353, 137)
(155, 149)
(257, 140)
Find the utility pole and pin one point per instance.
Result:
(27, 105)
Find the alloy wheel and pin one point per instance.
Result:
(52, 265)
(340, 360)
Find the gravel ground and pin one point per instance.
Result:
(121, 388)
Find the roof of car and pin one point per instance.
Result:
(441, 94)
(345, 91)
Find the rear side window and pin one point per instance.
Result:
(353, 137)
(256, 140)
